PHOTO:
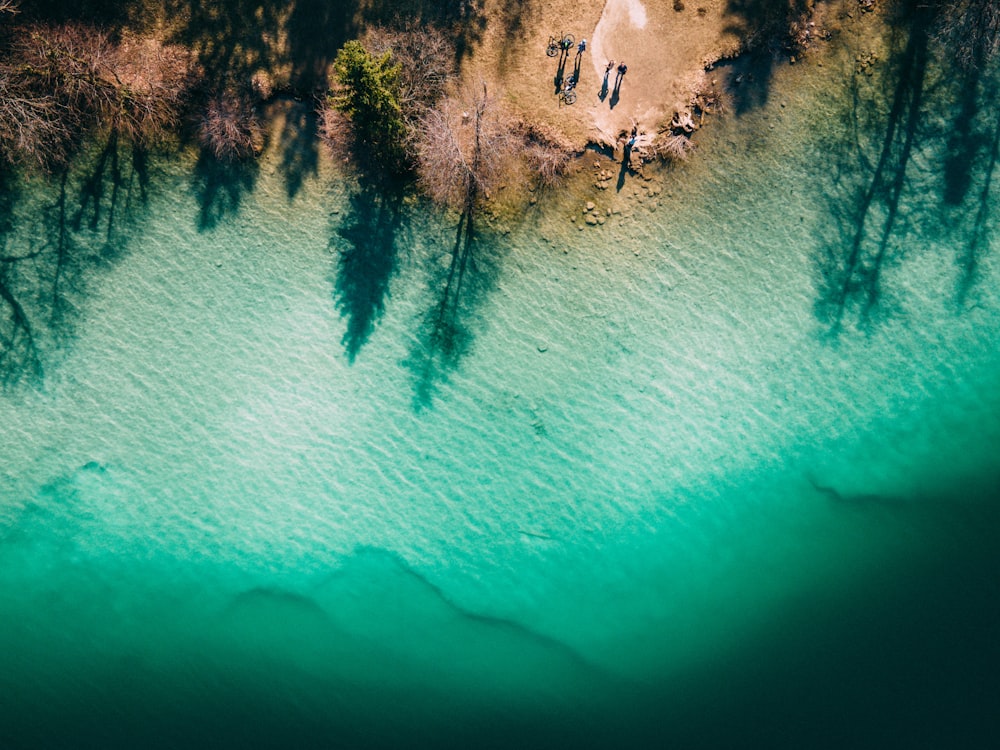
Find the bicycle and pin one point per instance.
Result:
(568, 93)
(555, 46)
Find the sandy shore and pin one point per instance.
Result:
(666, 51)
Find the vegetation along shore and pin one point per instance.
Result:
(458, 94)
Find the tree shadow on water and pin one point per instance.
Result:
(79, 224)
(964, 141)
(973, 145)
(870, 180)
(19, 352)
(220, 187)
(970, 257)
(446, 330)
(108, 192)
(747, 79)
(369, 240)
(925, 130)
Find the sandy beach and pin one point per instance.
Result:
(666, 51)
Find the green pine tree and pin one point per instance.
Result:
(367, 90)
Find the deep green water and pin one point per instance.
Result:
(721, 472)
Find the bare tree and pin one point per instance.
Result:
(427, 61)
(151, 81)
(60, 82)
(34, 128)
(673, 146)
(547, 154)
(228, 128)
(465, 148)
(334, 128)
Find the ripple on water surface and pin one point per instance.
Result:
(611, 480)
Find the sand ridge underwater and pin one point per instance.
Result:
(688, 478)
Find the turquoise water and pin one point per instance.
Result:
(718, 472)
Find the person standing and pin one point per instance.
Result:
(622, 70)
(581, 47)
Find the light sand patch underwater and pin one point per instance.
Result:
(632, 487)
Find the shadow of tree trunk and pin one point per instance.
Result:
(444, 335)
(19, 353)
(964, 142)
(299, 148)
(979, 234)
(48, 254)
(220, 187)
(867, 200)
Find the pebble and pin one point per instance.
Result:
(590, 205)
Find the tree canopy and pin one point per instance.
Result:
(367, 90)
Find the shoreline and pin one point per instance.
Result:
(670, 50)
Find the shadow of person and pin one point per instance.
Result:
(576, 68)
(626, 160)
(560, 72)
(603, 93)
(614, 96)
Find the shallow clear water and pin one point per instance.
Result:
(269, 481)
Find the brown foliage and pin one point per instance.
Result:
(151, 82)
(548, 156)
(228, 128)
(334, 129)
(426, 58)
(673, 146)
(466, 147)
(59, 82)
(34, 128)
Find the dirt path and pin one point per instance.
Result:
(666, 51)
